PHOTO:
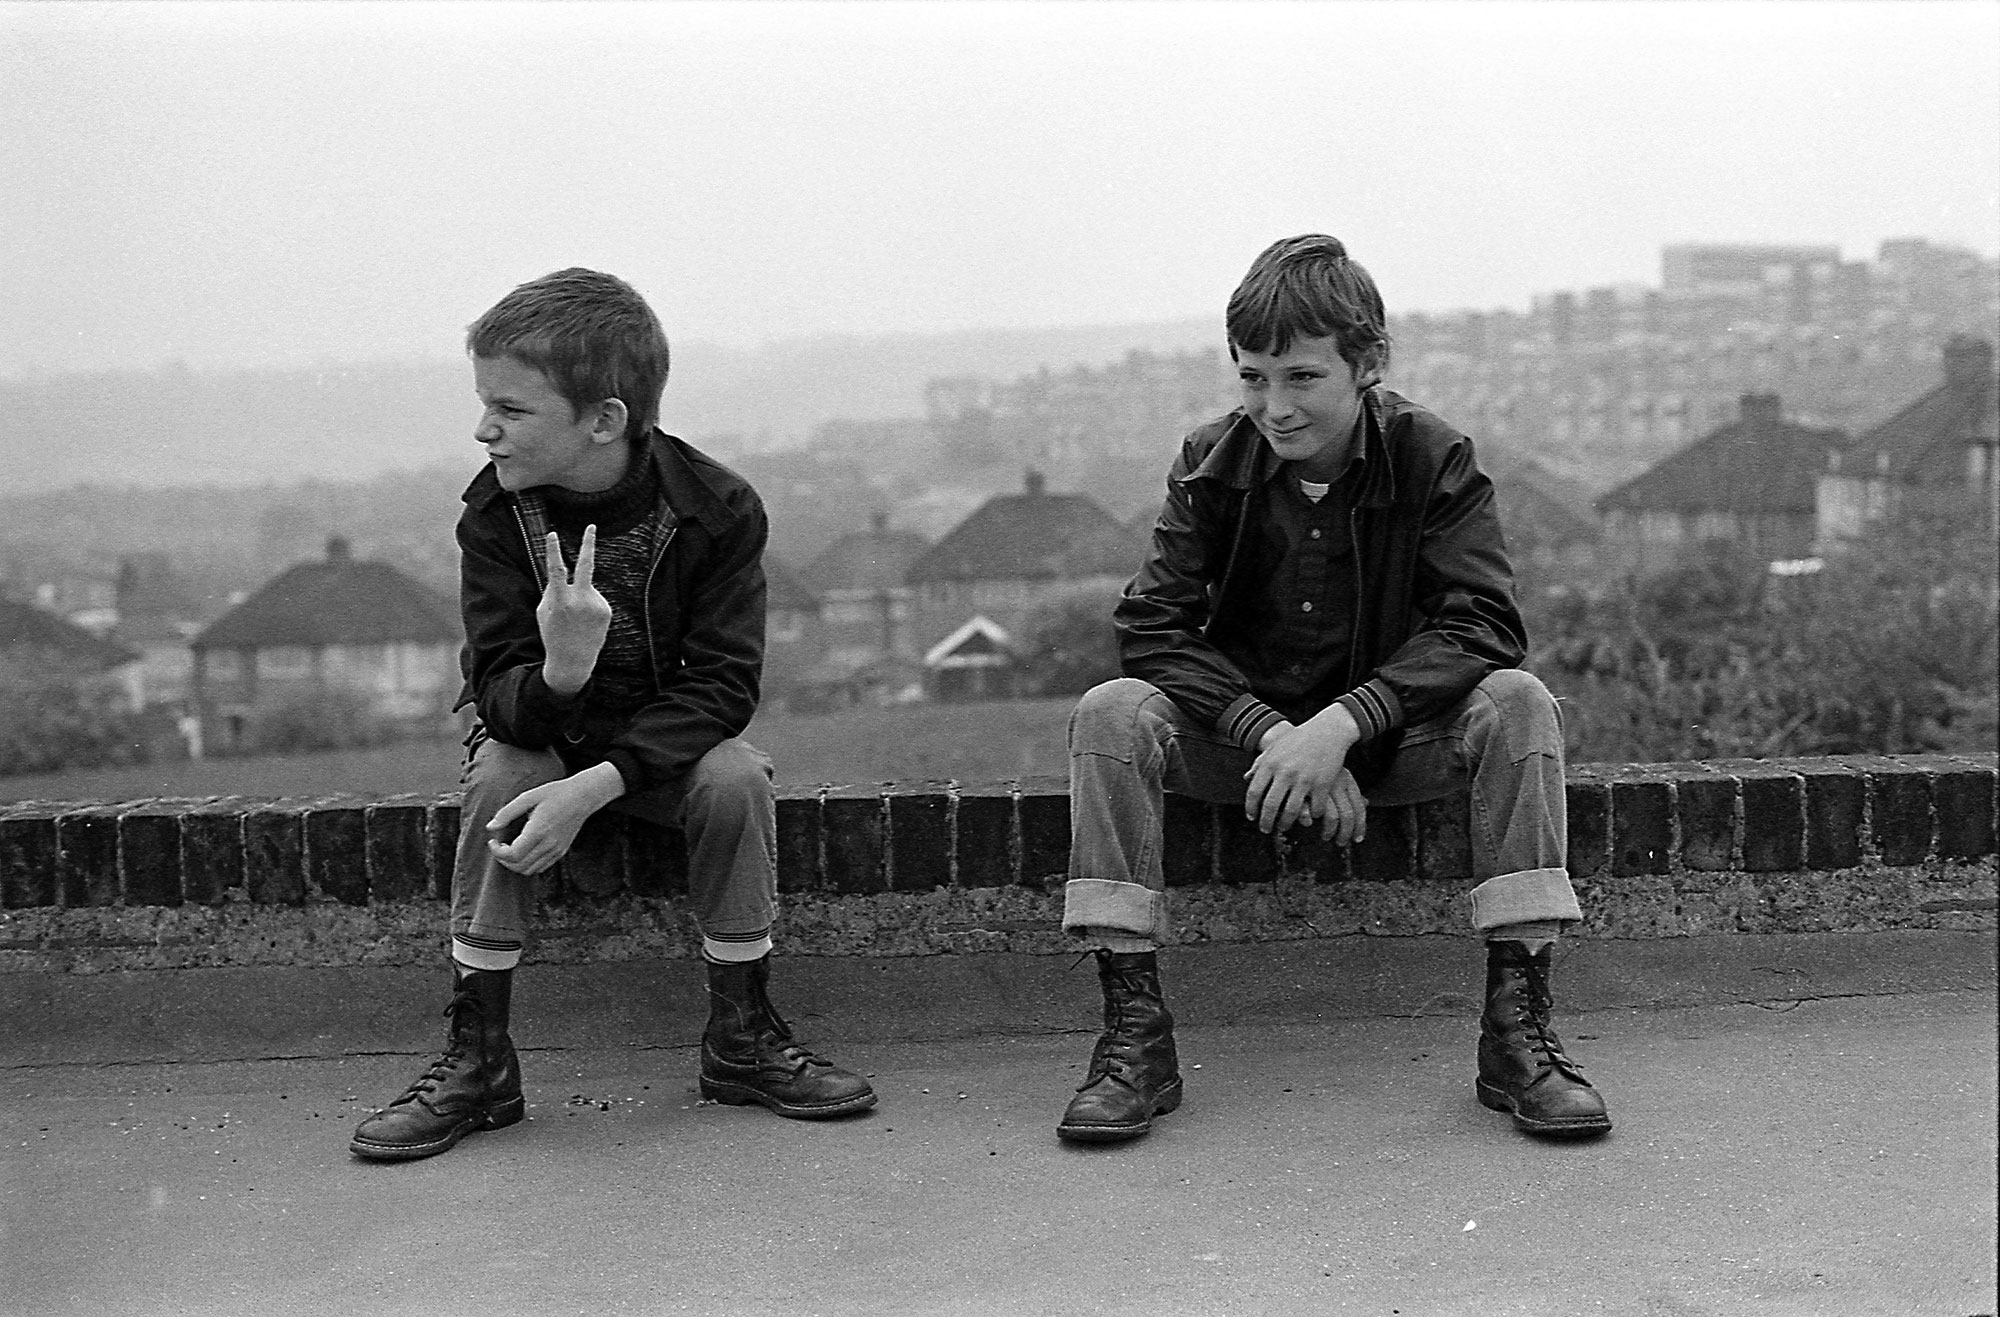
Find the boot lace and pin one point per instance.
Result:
(447, 1063)
(1537, 1005)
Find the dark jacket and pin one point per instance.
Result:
(1433, 591)
(704, 616)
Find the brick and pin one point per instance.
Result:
(656, 859)
(274, 854)
(397, 848)
(336, 850)
(1707, 798)
(444, 815)
(1836, 796)
(28, 857)
(1190, 849)
(799, 868)
(599, 858)
(1774, 817)
(87, 851)
(1244, 854)
(212, 850)
(919, 836)
(1309, 855)
(149, 853)
(1444, 846)
(1642, 812)
(851, 824)
(1388, 854)
(1044, 823)
(1588, 804)
(1899, 810)
(983, 842)
(1964, 796)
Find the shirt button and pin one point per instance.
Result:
(1306, 607)
(1315, 533)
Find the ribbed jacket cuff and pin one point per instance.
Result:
(1374, 707)
(1246, 720)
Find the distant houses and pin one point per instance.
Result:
(1946, 442)
(1751, 481)
(337, 623)
(56, 645)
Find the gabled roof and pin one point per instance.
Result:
(1926, 440)
(977, 643)
(337, 601)
(784, 592)
(1758, 463)
(873, 559)
(1536, 503)
(1033, 536)
(27, 626)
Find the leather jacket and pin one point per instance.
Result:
(704, 621)
(1433, 597)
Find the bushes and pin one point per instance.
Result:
(314, 718)
(1889, 649)
(51, 719)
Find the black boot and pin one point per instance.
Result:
(1522, 1067)
(475, 1085)
(1135, 1071)
(748, 1053)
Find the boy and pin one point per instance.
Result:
(622, 682)
(1325, 619)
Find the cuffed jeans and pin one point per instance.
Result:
(725, 806)
(1129, 745)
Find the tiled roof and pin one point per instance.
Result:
(1926, 440)
(26, 625)
(337, 601)
(877, 559)
(784, 591)
(1535, 500)
(1033, 536)
(1758, 463)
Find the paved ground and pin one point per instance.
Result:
(1805, 1155)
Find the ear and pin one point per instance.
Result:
(608, 425)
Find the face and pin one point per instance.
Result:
(1306, 401)
(534, 439)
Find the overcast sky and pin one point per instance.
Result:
(253, 183)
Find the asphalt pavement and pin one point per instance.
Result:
(1796, 1154)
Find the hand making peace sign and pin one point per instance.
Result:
(573, 616)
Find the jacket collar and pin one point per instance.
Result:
(687, 490)
(1238, 457)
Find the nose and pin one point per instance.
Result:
(487, 431)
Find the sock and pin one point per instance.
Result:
(1534, 934)
(736, 949)
(1119, 941)
(469, 955)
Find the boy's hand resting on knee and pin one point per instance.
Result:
(573, 616)
(1301, 775)
(552, 812)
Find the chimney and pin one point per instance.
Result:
(338, 551)
(1760, 411)
(1037, 482)
(1967, 360)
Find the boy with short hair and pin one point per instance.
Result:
(612, 583)
(1325, 619)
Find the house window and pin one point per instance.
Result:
(284, 661)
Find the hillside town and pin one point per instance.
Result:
(1779, 399)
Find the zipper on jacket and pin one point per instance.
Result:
(646, 599)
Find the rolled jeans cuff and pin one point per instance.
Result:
(1105, 903)
(1518, 898)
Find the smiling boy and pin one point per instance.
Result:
(612, 584)
(1325, 620)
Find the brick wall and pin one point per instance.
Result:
(1849, 843)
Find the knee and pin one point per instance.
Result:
(1522, 705)
(500, 771)
(735, 775)
(1110, 711)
